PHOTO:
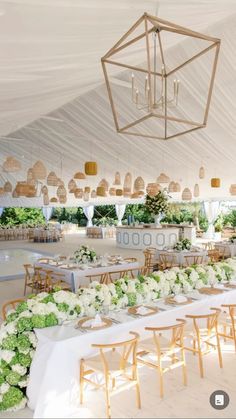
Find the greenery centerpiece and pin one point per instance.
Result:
(184, 244)
(157, 205)
(85, 254)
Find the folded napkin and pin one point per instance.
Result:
(233, 282)
(97, 321)
(143, 310)
(180, 298)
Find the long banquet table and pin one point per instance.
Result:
(76, 276)
(53, 389)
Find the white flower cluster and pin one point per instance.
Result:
(85, 254)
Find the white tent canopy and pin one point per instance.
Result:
(50, 66)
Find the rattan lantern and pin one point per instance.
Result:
(201, 172)
(86, 196)
(119, 192)
(232, 189)
(8, 187)
(79, 176)
(91, 168)
(60, 182)
(101, 191)
(215, 182)
(15, 194)
(105, 184)
(117, 180)
(61, 191)
(11, 165)
(135, 195)
(196, 191)
(2, 191)
(152, 189)
(78, 193)
(186, 194)
(128, 181)
(112, 191)
(45, 199)
(32, 192)
(127, 192)
(139, 184)
(53, 200)
(44, 190)
(171, 187)
(163, 178)
(87, 189)
(39, 170)
(23, 188)
(93, 194)
(177, 187)
(62, 199)
(52, 179)
(72, 186)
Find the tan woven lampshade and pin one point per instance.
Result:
(72, 186)
(128, 181)
(232, 189)
(62, 199)
(90, 168)
(11, 165)
(87, 189)
(32, 192)
(60, 182)
(39, 170)
(139, 184)
(135, 195)
(140, 193)
(127, 192)
(163, 178)
(23, 188)
(105, 184)
(61, 191)
(15, 194)
(93, 194)
(86, 196)
(171, 187)
(44, 190)
(112, 191)
(117, 180)
(119, 192)
(30, 177)
(2, 192)
(177, 187)
(52, 179)
(201, 172)
(215, 182)
(79, 176)
(45, 199)
(78, 193)
(8, 187)
(196, 191)
(152, 189)
(101, 191)
(186, 194)
(53, 200)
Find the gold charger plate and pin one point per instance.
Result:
(230, 285)
(210, 291)
(170, 300)
(107, 321)
(133, 310)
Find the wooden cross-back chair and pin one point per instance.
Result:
(213, 255)
(190, 260)
(207, 336)
(46, 280)
(228, 323)
(167, 260)
(12, 304)
(150, 262)
(155, 351)
(115, 360)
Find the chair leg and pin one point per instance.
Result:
(219, 350)
(200, 358)
(184, 369)
(138, 398)
(161, 380)
(81, 381)
(108, 403)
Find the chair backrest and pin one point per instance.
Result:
(232, 314)
(127, 352)
(214, 255)
(221, 250)
(211, 321)
(12, 304)
(27, 267)
(168, 260)
(193, 260)
(149, 257)
(176, 336)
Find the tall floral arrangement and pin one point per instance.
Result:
(157, 204)
(85, 254)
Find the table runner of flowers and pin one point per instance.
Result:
(17, 337)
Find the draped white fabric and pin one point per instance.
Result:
(212, 210)
(120, 211)
(40, 64)
(89, 213)
(47, 212)
(1, 211)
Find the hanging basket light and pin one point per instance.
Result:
(93, 194)
(117, 180)
(112, 191)
(39, 170)
(61, 191)
(177, 187)
(128, 181)
(135, 195)
(90, 168)
(79, 176)
(72, 186)
(87, 189)
(186, 194)
(15, 194)
(11, 165)
(53, 200)
(44, 190)
(163, 178)
(105, 184)
(101, 191)
(215, 182)
(45, 199)
(152, 189)
(119, 192)
(60, 182)
(2, 191)
(52, 179)
(8, 187)
(62, 199)
(127, 192)
(171, 187)
(196, 191)
(22, 188)
(232, 189)
(201, 173)
(139, 184)
(78, 193)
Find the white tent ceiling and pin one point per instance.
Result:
(50, 64)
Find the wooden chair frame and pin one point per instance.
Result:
(13, 304)
(231, 325)
(193, 260)
(167, 261)
(128, 355)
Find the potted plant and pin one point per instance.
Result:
(157, 205)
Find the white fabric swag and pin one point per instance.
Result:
(120, 212)
(47, 212)
(212, 209)
(1, 211)
(89, 213)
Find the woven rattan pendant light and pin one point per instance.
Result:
(128, 181)
(52, 179)
(139, 184)
(93, 194)
(232, 189)
(119, 192)
(61, 191)
(11, 165)
(44, 190)
(101, 191)
(186, 194)
(78, 193)
(112, 191)
(53, 200)
(2, 191)
(104, 183)
(45, 199)
(90, 168)
(171, 187)
(39, 170)
(163, 178)
(201, 173)
(72, 186)
(117, 180)
(177, 187)
(15, 194)
(60, 182)
(62, 199)
(87, 189)
(79, 176)
(215, 182)
(196, 191)
(8, 187)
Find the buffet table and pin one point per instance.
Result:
(141, 237)
(53, 388)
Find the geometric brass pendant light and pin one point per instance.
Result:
(154, 81)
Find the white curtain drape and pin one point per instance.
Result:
(120, 211)
(1, 211)
(89, 213)
(47, 212)
(212, 210)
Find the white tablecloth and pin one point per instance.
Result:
(179, 256)
(53, 386)
(77, 277)
(230, 248)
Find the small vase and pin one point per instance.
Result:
(158, 218)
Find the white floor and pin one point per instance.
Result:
(179, 401)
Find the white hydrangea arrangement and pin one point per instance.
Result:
(17, 337)
(85, 254)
